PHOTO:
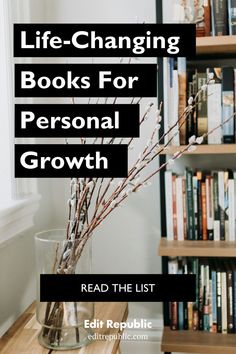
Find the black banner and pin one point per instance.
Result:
(77, 120)
(71, 160)
(85, 80)
(104, 40)
(118, 287)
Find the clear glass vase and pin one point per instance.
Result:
(62, 322)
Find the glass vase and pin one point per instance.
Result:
(62, 323)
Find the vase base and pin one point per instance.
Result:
(68, 340)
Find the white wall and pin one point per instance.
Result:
(127, 241)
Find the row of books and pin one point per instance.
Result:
(212, 17)
(201, 205)
(214, 309)
(213, 105)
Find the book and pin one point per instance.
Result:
(214, 110)
(216, 221)
(221, 205)
(219, 303)
(179, 209)
(214, 298)
(228, 104)
(219, 17)
(174, 207)
(202, 114)
(173, 269)
(182, 80)
(209, 207)
(231, 209)
(232, 16)
(190, 204)
(229, 281)
(224, 300)
(169, 205)
(202, 17)
(204, 211)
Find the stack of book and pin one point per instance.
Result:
(213, 105)
(212, 17)
(201, 205)
(214, 309)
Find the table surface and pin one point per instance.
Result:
(22, 337)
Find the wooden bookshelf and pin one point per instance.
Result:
(216, 45)
(203, 149)
(197, 342)
(197, 248)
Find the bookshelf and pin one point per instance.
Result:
(196, 248)
(202, 149)
(189, 341)
(216, 45)
(197, 342)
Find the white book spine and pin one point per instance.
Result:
(231, 209)
(216, 230)
(175, 112)
(169, 205)
(224, 302)
(166, 80)
(221, 191)
(179, 207)
(209, 204)
(214, 113)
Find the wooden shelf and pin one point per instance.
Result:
(198, 342)
(197, 248)
(216, 45)
(22, 337)
(203, 149)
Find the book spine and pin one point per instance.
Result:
(232, 16)
(234, 299)
(173, 269)
(231, 193)
(199, 196)
(182, 79)
(228, 105)
(230, 322)
(214, 302)
(179, 209)
(195, 205)
(220, 17)
(221, 205)
(174, 207)
(206, 324)
(202, 107)
(219, 311)
(184, 208)
(204, 212)
(216, 207)
(201, 297)
(209, 208)
(214, 113)
(169, 205)
(190, 205)
(226, 205)
(224, 302)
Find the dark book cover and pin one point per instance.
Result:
(228, 105)
(232, 16)
(190, 204)
(199, 203)
(219, 17)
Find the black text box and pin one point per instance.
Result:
(118, 287)
(144, 32)
(140, 80)
(128, 118)
(30, 160)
